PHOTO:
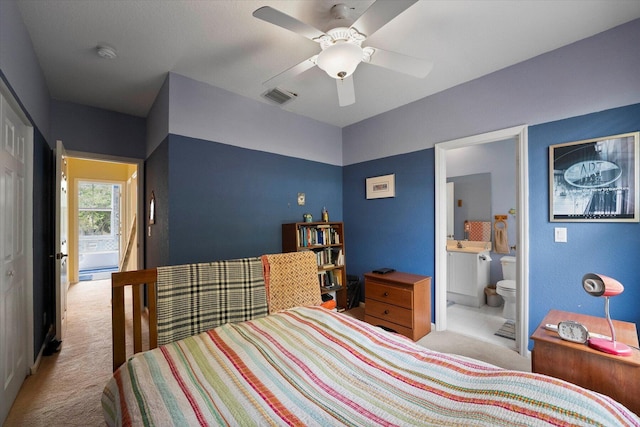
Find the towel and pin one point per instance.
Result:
(479, 231)
(501, 238)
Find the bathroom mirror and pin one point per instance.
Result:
(471, 200)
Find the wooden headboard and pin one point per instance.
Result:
(137, 280)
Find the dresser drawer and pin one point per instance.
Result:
(391, 313)
(402, 330)
(389, 294)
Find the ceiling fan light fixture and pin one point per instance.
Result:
(340, 59)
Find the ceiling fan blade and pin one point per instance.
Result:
(290, 73)
(379, 13)
(401, 63)
(346, 91)
(285, 21)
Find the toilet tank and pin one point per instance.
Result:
(508, 267)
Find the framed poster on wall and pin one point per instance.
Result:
(594, 180)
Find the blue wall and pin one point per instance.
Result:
(228, 202)
(399, 232)
(156, 178)
(94, 130)
(396, 232)
(612, 249)
(44, 296)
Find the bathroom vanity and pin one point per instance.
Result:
(468, 271)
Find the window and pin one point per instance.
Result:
(97, 208)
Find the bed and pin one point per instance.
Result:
(310, 366)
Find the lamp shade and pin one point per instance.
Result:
(599, 285)
(340, 59)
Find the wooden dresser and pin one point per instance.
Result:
(615, 376)
(400, 302)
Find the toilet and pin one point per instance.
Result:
(507, 287)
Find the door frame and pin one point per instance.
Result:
(520, 134)
(140, 187)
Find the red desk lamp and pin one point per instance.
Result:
(599, 285)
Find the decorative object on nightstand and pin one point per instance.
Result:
(600, 285)
(573, 331)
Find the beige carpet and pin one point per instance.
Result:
(66, 389)
(451, 342)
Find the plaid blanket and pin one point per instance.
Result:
(193, 298)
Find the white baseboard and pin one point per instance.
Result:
(36, 364)
(34, 368)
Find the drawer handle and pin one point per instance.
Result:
(386, 294)
(386, 312)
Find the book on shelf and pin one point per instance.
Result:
(318, 235)
(329, 281)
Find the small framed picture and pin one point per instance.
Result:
(594, 180)
(379, 187)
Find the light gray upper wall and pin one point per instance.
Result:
(158, 118)
(199, 110)
(591, 75)
(20, 67)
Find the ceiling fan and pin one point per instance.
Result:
(342, 49)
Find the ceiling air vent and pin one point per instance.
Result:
(279, 96)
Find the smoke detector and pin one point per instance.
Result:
(106, 52)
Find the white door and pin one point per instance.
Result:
(13, 259)
(62, 246)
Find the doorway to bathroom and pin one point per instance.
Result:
(481, 179)
(516, 209)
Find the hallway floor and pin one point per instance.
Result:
(67, 388)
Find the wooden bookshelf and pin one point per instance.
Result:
(326, 240)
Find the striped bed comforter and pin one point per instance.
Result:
(309, 366)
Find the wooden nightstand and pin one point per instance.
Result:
(615, 376)
(400, 302)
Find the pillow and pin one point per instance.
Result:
(291, 280)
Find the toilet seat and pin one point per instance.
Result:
(506, 285)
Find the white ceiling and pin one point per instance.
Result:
(219, 42)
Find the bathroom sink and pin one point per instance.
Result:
(468, 246)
